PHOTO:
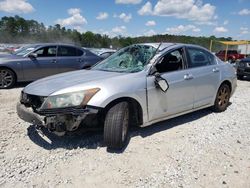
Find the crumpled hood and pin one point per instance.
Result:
(51, 84)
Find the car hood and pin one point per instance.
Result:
(5, 55)
(9, 57)
(51, 84)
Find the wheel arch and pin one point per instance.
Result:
(5, 67)
(134, 106)
(228, 83)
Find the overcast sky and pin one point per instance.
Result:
(139, 17)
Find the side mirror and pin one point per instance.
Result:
(32, 55)
(161, 82)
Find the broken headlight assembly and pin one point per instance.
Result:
(73, 99)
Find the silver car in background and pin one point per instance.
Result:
(137, 86)
(102, 52)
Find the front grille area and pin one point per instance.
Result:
(247, 70)
(33, 101)
(67, 110)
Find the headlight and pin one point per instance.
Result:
(79, 98)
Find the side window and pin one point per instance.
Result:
(67, 51)
(48, 51)
(198, 58)
(79, 52)
(212, 59)
(172, 61)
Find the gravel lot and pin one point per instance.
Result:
(201, 149)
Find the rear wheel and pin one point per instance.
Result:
(222, 98)
(7, 78)
(116, 126)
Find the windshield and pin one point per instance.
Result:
(25, 50)
(129, 59)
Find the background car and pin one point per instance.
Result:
(231, 57)
(243, 68)
(40, 60)
(102, 52)
(137, 86)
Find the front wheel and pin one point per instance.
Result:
(222, 98)
(7, 78)
(116, 126)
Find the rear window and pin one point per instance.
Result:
(79, 52)
(69, 51)
(232, 52)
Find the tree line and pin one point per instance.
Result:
(19, 30)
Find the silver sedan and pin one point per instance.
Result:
(137, 86)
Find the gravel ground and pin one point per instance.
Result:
(201, 149)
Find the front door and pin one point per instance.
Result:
(180, 95)
(44, 65)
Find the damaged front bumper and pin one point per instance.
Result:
(59, 120)
(28, 115)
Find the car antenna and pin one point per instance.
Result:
(157, 49)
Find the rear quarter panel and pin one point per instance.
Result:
(228, 73)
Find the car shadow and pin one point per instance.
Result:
(21, 84)
(246, 78)
(94, 139)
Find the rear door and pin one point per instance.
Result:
(206, 75)
(69, 58)
(44, 65)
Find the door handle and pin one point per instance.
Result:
(80, 60)
(216, 70)
(188, 77)
(53, 61)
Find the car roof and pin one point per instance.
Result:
(165, 45)
(58, 44)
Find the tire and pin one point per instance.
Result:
(222, 98)
(116, 126)
(240, 77)
(230, 60)
(7, 78)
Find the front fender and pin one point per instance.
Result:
(16, 67)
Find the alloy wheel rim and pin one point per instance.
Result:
(6, 78)
(223, 97)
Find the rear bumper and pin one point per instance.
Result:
(234, 85)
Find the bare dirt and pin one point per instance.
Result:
(201, 149)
